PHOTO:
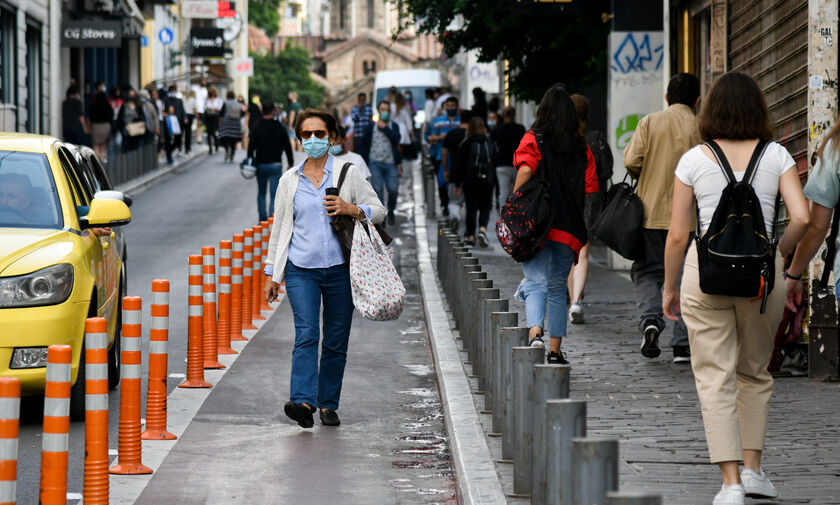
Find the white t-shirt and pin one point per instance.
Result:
(200, 98)
(355, 159)
(697, 170)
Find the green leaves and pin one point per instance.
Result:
(263, 14)
(541, 50)
(275, 76)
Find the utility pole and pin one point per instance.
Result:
(824, 349)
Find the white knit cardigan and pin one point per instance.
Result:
(355, 190)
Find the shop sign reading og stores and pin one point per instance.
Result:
(91, 33)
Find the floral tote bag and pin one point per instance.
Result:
(378, 292)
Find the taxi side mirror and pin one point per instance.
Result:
(105, 212)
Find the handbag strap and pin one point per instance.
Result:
(342, 175)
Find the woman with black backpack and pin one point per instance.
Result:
(728, 299)
(474, 175)
(555, 147)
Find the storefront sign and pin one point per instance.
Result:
(243, 67)
(200, 9)
(91, 33)
(207, 42)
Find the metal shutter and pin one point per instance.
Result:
(768, 40)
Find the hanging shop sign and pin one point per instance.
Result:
(207, 42)
(243, 67)
(91, 33)
(200, 9)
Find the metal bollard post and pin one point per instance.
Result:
(452, 280)
(471, 304)
(565, 420)
(594, 470)
(488, 307)
(550, 382)
(478, 325)
(467, 264)
(633, 498)
(508, 339)
(466, 300)
(523, 360)
(499, 320)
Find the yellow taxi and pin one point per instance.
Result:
(59, 264)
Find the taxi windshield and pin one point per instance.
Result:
(28, 197)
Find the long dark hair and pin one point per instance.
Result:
(558, 121)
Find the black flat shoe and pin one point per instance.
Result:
(300, 413)
(329, 417)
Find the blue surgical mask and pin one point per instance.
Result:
(491, 124)
(336, 150)
(385, 116)
(316, 148)
(451, 112)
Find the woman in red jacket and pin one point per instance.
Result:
(555, 144)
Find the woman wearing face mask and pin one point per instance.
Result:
(339, 150)
(303, 250)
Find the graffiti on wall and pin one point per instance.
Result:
(636, 53)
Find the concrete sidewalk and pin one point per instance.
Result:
(652, 405)
(391, 446)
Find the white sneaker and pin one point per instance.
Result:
(537, 342)
(576, 313)
(730, 495)
(757, 485)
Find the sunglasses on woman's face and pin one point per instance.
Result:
(319, 134)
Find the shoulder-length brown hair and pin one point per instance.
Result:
(326, 117)
(735, 109)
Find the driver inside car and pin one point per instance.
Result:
(16, 193)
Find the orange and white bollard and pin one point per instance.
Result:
(223, 326)
(9, 431)
(266, 233)
(236, 288)
(211, 345)
(158, 364)
(96, 488)
(256, 280)
(247, 277)
(195, 329)
(129, 447)
(55, 440)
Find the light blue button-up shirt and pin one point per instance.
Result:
(313, 244)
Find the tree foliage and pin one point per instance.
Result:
(263, 14)
(275, 76)
(541, 50)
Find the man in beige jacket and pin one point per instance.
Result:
(651, 157)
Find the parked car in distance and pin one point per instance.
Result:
(58, 264)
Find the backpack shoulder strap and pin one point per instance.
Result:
(831, 249)
(752, 167)
(722, 161)
(343, 175)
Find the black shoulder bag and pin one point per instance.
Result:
(620, 224)
(344, 226)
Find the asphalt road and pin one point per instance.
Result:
(198, 205)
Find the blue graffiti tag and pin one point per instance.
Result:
(635, 55)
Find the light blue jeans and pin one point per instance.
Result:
(546, 277)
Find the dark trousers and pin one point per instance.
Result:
(478, 197)
(648, 277)
(319, 384)
(443, 186)
(188, 134)
(268, 176)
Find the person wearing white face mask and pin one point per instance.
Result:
(378, 145)
(339, 150)
(304, 251)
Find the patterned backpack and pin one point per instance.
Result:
(526, 217)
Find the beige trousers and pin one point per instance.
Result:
(731, 345)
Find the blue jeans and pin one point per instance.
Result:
(385, 173)
(319, 386)
(268, 174)
(546, 276)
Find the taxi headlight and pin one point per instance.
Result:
(29, 357)
(48, 286)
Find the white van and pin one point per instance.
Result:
(416, 81)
